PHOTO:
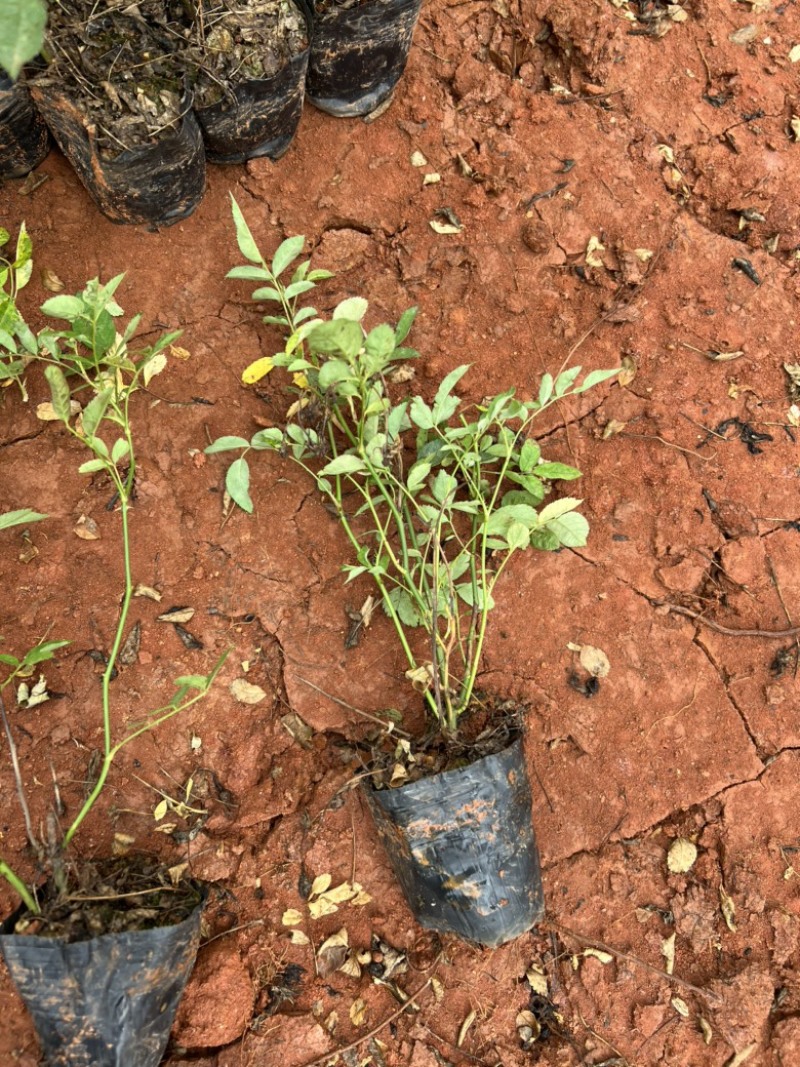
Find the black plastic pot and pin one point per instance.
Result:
(258, 118)
(157, 184)
(24, 138)
(463, 848)
(358, 53)
(106, 1002)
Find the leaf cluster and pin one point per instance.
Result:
(447, 491)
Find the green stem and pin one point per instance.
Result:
(19, 887)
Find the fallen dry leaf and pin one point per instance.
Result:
(728, 909)
(86, 529)
(297, 937)
(245, 692)
(462, 1033)
(291, 917)
(537, 980)
(45, 411)
(444, 227)
(148, 591)
(668, 952)
(598, 954)
(681, 856)
(177, 615)
(595, 661)
(418, 160)
(358, 1012)
(592, 248)
(680, 1006)
(51, 281)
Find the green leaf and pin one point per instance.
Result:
(353, 572)
(346, 464)
(63, 307)
(521, 496)
(43, 652)
(191, 681)
(545, 389)
(572, 530)
(405, 607)
(333, 371)
(320, 275)
(300, 316)
(59, 391)
(21, 517)
(545, 540)
(251, 274)
(94, 411)
(529, 456)
(8, 342)
(447, 384)
(595, 377)
(354, 309)
(271, 438)
(5, 236)
(297, 289)
(91, 466)
(343, 337)
(23, 23)
(557, 509)
(10, 661)
(565, 380)
(119, 450)
(286, 253)
(237, 482)
(267, 293)
(417, 475)
(23, 263)
(444, 487)
(499, 521)
(421, 414)
(518, 536)
(557, 471)
(247, 245)
(473, 595)
(380, 343)
(404, 325)
(225, 444)
(27, 337)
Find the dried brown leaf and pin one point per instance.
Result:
(177, 615)
(245, 692)
(86, 528)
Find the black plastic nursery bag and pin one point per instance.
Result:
(258, 117)
(462, 846)
(157, 184)
(106, 1002)
(24, 138)
(358, 53)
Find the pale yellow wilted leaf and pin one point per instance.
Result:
(418, 160)
(297, 937)
(666, 153)
(438, 990)
(300, 380)
(444, 227)
(320, 884)
(148, 591)
(462, 1033)
(318, 908)
(341, 893)
(256, 370)
(628, 371)
(432, 179)
(537, 980)
(361, 898)
(358, 1012)
(794, 123)
(595, 661)
(612, 427)
(593, 247)
(45, 411)
(668, 952)
(598, 954)
(705, 1029)
(728, 909)
(643, 254)
(177, 872)
(153, 367)
(160, 810)
(196, 743)
(794, 54)
(179, 353)
(86, 529)
(680, 1006)
(341, 939)
(245, 692)
(681, 856)
(291, 917)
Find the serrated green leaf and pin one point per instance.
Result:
(595, 377)
(91, 466)
(421, 414)
(237, 482)
(251, 274)
(267, 293)
(529, 456)
(565, 380)
(572, 530)
(20, 517)
(271, 438)
(558, 508)
(119, 450)
(191, 681)
(518, 536)
(43, 652)
(63, 307)
(297, 289)
(557, 472)
(404, 325)
(340, 337)
(417, 475)
(286, 253)
(545, 389)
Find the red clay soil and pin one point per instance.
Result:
(554, 127)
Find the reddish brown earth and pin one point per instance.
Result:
(694, 733)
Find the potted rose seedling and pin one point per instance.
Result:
(435, 498)
(99, 951)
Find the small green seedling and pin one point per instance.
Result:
(92, 375)
(446, 493)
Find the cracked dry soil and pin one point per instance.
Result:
(549, 124)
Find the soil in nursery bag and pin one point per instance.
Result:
(24, 138)
(103, 967)
(246, 61)
(461, 840)
(359, 50)
(115, 98)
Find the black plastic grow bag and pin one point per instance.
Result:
(358, 53)
(157, 184)
(24, 138)
(258, 117)
(106, 1002)
(463, 848)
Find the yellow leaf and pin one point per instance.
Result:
(358, 1012)
(340, 893)
(320, 884)
(300, 380)
(318, 908)
(160, 810)
(178, 352)
(291, 917)
(257, 370)
(297, 937)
